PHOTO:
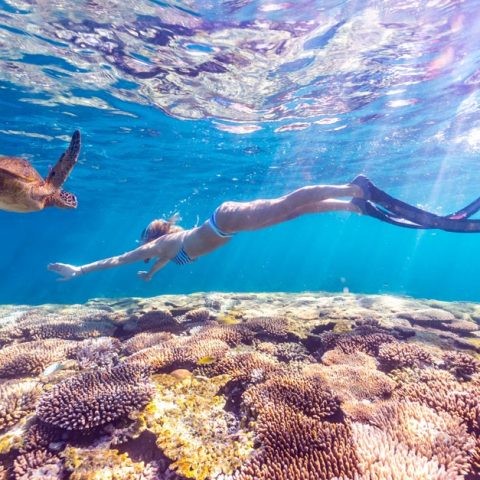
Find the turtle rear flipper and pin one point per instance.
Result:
(62, 169)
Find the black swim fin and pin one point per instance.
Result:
(398, 211)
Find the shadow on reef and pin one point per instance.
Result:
(241, 387)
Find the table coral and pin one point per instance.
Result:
(31, 358)
(193, 428)
(244, 367)
(144, 340)
(399, 355)
(96, 398)
(302, 393)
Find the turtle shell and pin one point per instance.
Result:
(20, 169)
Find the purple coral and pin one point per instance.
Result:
(96, 398)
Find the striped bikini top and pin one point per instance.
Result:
(182, 257)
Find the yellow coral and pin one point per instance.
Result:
(193, 428)
(101, 464)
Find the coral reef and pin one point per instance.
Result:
(460, 364)
(276, 327)
(17, 399)
(31, 358)
(101, 352)
(241, 387)
(244, 367)
(144, 340)
(78, 325)
(400, 355)
(38, 465)
(95, 398)
(296, 447)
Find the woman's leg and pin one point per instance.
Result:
(236, 217)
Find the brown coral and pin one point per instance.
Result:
(277, 327)
(439, 390)
(400, 355)
(96, 398)
(31, 358)
(435, 435)
(179, 352)
(351, 343)
(155, 320)
(38, 325)
(17, 399)
(353, 382)
(285, 351)
(231, 334)
(38, 465)
(460, 364)
(144, 340)
(305, 394)
(244, 367)
(296, 447)
(199, 315)
(339, 357)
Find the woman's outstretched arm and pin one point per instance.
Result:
(68, 272)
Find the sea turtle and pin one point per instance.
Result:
(22, 189)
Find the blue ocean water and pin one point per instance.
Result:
(183, 105)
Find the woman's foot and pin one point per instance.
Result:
(363, 185)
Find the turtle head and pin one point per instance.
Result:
(63, 199)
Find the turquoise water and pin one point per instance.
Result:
(184, 105)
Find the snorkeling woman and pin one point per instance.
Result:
(165, 241)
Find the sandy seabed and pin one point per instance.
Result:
(231, 386)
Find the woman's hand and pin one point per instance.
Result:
(66, 271)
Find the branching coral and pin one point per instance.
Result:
(296, 447)
(99, 352)
(199, 315)
(285, 351)
(382, 457)
(96, 398)
(179, 352)
(339, 357)
(31, 358)
(439, 390)
(245, 367)
(304, 394)
(38, 465)
(460, 364)
(101, 464)
(435, 435)
(156, 320)
(277, 327)
(17, 399)
(193, 428)
(351, 343)
(144, 340)
(400, 355)
(230, 334)
(37, 325)
(353, 382)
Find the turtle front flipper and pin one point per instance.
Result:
(59, 173)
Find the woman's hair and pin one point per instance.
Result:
(158, 228)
